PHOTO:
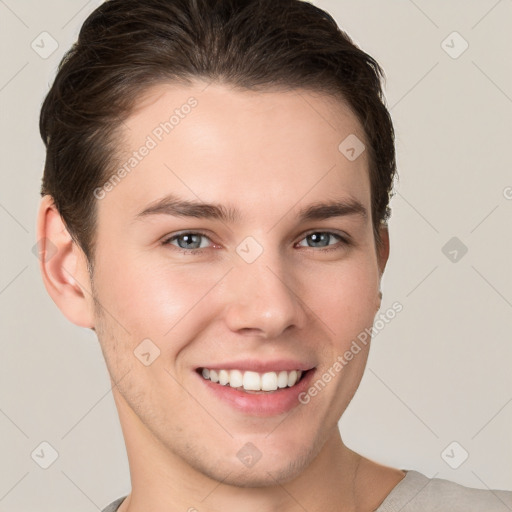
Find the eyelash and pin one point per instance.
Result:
(345, 242)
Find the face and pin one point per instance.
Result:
(260, 283)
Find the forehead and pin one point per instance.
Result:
(244, 147)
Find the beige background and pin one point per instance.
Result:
(438, 373)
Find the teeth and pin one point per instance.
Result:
(282, 379)
(253, 381)
(269, 381)
(236, 378)
(223, 377)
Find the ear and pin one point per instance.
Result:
(383, 250)
(382, 256)
(63, 266)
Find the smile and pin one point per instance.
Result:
(250, 381)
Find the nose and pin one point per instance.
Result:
(261, 299)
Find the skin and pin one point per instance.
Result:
(268, 155)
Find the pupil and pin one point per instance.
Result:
(318, 238)
(188, 240)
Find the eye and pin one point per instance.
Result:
(194, 241)
(187, 240)
(321, 239)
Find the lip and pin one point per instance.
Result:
(251, 365)
(259, 404)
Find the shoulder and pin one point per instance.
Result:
(418, 493)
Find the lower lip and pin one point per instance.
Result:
(261, 404)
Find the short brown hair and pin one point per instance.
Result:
(126, 46)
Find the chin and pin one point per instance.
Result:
(273, 468)
(261, 475)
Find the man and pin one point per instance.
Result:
(216, 194)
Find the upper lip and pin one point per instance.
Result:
(260, 366)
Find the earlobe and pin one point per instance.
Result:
(63, 266)
(379, 301)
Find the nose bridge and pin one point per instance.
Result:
(261, 293)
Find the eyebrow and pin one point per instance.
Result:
(177, 207)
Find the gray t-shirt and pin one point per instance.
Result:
(418, 493)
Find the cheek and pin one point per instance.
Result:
(344, 296)
(161, 300)
(155, 300)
